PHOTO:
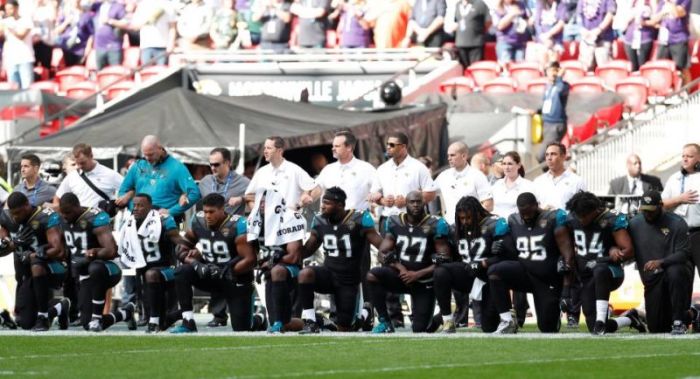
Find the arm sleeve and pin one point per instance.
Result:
(53, 221)
(367, 220)
(241, 226)
(129, 182)
(101, 219)
(621, 222)
(186, 184)
(426, 182)
(442, 229)
(304, 181)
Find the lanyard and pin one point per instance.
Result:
(682, 184)
(216, 184)
(36, 189)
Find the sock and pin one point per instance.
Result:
(97, 307)
(280, 295)
(306, 295)
(378, 296)
(154, 320)
(623, 321)
(43, 314)
(506, 316)
(601, 313)
(155, 298)
(124, 314)
(109, 320)
(188, 315)
(58, 307)
(41, 292)
(364, 314)
(447, 318)
(308, 314)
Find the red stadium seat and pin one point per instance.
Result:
(618, 50)
(112, 74)
(490, 51)
(8, 86)
(457, 86)
(500, 85)
(119, 89)
(613, 71)
(610, 115)
(524, 72)
(582, 132)
(71, 75)
(573, 70)
(147, 73)
(484, 71)
(570, 51)
(588, 84)
(81, 90)
(46, 85)
(661, 75)
(635, 91)
(537, 86)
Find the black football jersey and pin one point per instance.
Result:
(41, 220)
(595, 240)
(218, 246)
(536, 244)
(79, 235)
(415, 244)
(343, 244)
(478, 248)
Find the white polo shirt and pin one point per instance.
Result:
(505, 199)
(102, 177)
(675, 186)
(555, 192)
(355, 178)
(288, 179)
(410, 175)
(453, 185)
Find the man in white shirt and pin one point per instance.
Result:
(556, 186)
(18, 50)
(681, 197)
(106, 179)
(155, 20)
(353, 176)
(398, 176)
(287, 178)
(461, 180)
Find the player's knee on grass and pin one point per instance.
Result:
(38, 269)
(153, 276)
(278, 273)
(307, 276)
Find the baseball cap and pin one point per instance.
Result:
(651, 200)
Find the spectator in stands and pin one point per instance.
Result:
(389, 19)
(109, 38)
(312, 22)
(634, 183)
(193, 25)
(354, 30)
(44, 18)
(639, 33)
(223, 27)
(471, 20)
(276, 20)
(694, 19)
(249, 31)
(671, 18)
(74, 30)
(425, 25)
(155, 20)
(549, 20)
(596, 31)
(37, 190)
(510, 18)
(18, 50)
(553, 110)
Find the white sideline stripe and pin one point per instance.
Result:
(458, 365)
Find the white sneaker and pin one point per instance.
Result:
(507, 327)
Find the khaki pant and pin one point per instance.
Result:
(593, 55)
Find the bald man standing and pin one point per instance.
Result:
(634, 183)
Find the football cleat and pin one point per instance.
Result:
(310, 327)
(637, 321)
(571, 323)
(325, 323)
(696, 319)
(187, 326)
(130, 320)
(384, 326)
(507, 327)
(64, 316)
(368, 321)
(259, 322)
(95, 325)
(152, 328)
(598, 328)
(41, 324)
(276, 328)
(217, 322)
(678, 328)
(6, 320)
(449, 327)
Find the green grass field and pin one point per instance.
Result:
(528, 355)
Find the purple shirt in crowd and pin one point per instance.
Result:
(74, 39)
(545, 19)
(242, 5)
(592, 13)
(108, 37)
(351, 32)
(648, 33)
(677, 27)
(510, 34)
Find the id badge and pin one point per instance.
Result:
(272, 27)
(637, 39)
(663, 35)
(462, 25)
(547, 106)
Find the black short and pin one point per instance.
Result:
(678, 52)
(422, 295)
(345, 295)
(239, 298)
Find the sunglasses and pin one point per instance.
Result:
(393, 145)
(214, 164)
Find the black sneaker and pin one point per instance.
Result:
(326, 323)
(310, 327)
(141, 323)
(259, 322)
(152, 328)
(6, 320)
(130, 319)
(217, 322)
(678, 328)
(64, 316)
(598, 328)
(368, 322)
(571, 323)
(95, 325)
(637, 321)
(41, 324)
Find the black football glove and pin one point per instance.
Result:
(24, 256)
(562, 267)
(440, 259)
(24, 238)
(497, 247)
(276, 257)
(391, 258)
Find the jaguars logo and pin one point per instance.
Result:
(83, 224)
(34, 225)
(543, 223)
(426, 229)
(225, 232)
(351, 225)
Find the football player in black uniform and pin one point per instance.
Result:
(478, 237)
(540, 238)
(602, 244)
(34, 235)
(223, 264)
(91, 249)
(411, 241)
(344, 236)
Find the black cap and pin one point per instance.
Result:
(651, 201)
